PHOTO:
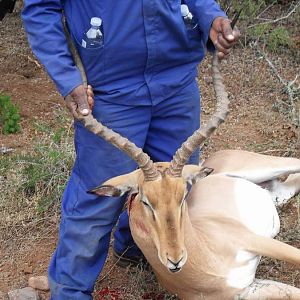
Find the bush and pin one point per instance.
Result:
(278, 39)
(250, 8)
(9, 116)
(274, 36)
(275, 39)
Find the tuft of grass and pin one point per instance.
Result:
(45, 172)
(46, 169)
(33, 181)
(9, 116)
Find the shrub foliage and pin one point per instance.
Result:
(256, 25)
(9, 116)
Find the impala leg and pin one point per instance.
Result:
(281, 192)
(269, 290)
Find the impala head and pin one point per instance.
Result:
(158, 210)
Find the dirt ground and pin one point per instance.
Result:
(254, 124)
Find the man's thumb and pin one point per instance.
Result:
(227, 30)
(83, 107)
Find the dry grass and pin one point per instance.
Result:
(31, 184)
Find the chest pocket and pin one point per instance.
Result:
(78, 15)
(192, 31)
(194, 35)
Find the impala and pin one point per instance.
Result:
(206, 243)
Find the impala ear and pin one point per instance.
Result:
(192, 173)
(111, 191)
(118, 186)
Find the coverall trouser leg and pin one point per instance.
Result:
(87, 220)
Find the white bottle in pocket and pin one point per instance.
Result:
(188, 17)
(93, 38)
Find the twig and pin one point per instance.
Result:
(278, 19)
(289, 87)
(114, 265)
(228, 6)
(261, 53)
(34, 61)
(274, 150)
(262, 19)
(267, 8)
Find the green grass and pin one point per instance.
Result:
(40, 174)
(9, 116)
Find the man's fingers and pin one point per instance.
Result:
(74, 113)
(221, 55)
(72, 106)
(220, 48)
(223, 36)
(90, 96)
(91, 102)
(83, 106)
(227, 30)
(236, 33)
(77, 101)
(90, 91)
(224, 43)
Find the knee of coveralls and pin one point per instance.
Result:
(87, 220)
(173, 121)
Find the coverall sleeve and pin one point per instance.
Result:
(206, 11)
(43, 24)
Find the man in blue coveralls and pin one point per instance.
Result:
(143, 78)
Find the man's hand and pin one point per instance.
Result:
(223, 36)
(80, 100)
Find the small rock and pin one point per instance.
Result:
(27, 293)
(39, 283)
(4, 150)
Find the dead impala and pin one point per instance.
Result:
(214, 235)
(207, 244)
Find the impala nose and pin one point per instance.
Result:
(175, 267)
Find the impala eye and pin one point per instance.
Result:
(145, 201)
(149, 207)
(183, 199)
(146, 204)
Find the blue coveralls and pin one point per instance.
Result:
(143, 78)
